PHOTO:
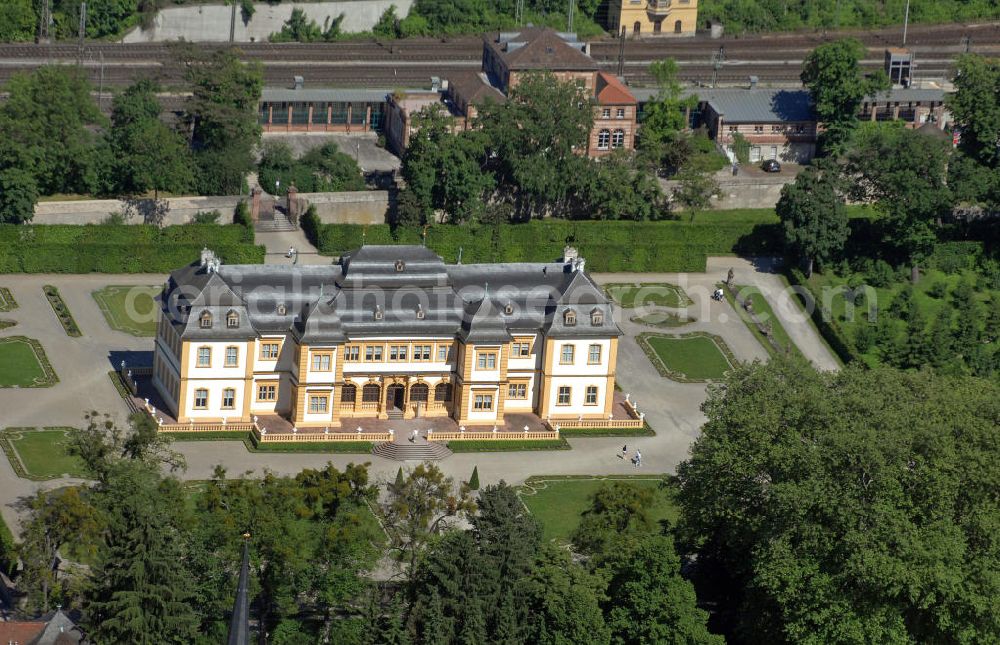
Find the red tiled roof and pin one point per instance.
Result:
(611, 91)
(20, 632)
(543, 49)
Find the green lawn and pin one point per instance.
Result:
(23, 363)
(131, 309)
(559, 503)
(663, 319)
(43, 452)
(762, 308)
(692, 357)
(646, 294)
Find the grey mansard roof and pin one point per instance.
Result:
(387, 291)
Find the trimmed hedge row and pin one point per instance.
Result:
(120, 249)
(672, 245)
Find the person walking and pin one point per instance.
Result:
(638, 458)
(624, 451)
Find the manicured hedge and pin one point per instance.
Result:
(61, 248)
(675, 245)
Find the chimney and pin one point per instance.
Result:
(299, 82)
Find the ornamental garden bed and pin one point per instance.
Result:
(23, 363)
(769, 332)
(7, 302)
(559, 502)
(645, 294)
(61, 311)
(132, 309)
(41, 454)
(696, 357)
(664, 319)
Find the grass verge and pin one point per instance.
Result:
(61, 311)
(779, 342)
(559, 502)
(131, 309)
(644, 431)
(503, 445)
(665, 319)
(23, 363)
(7, 302)
(696, 357)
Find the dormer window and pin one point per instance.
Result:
(420, 312)
(508, 308)
(232, 320)
(378, 313)
(596, 318)
(205, 321)
(400, 265)
(569, 318)
(282, 310)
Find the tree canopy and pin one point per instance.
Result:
(813, 213)
(854, 506)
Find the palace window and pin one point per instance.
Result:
(591, 398)
(421, 352)
(567, 355)
(594, 355)
(232, 356)
(603, 139)
(206, 320)
(596, 318)
(232, 320)
(373, 354)
(397, 352)
(269, 351)
(569, 317)
(442, 392)
(204, 357)
(318, 404)
(201, 398)
(517, 391)
(371, 393)
(321, 362)
(348, 394)
(564, 395)
(267, 392)
(483, 402)
(419, 393)
(487, 360)
(758, 129)
(228, 398)
(443, 351)
(520, 349)
(352, 353)
(618, 139)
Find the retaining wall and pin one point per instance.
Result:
(211, 22)
(744, 192)
(368, 207)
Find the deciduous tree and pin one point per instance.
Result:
(813, 213)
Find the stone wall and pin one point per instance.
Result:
(745, 191)
(180, 210)
(368, 207)
(211, 22)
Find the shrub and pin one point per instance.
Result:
(955, 257)
(206, 217)
(881, 274)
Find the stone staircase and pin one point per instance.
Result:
(395, 414)
(419, 450)
(279, 224)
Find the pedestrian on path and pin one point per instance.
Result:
(624, 451)
(638, 458)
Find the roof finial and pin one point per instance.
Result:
(486, 291)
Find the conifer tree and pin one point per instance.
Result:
(474, 480)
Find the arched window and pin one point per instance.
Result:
(419, 392)
(603, 139)
(569, 317)
(618, 139)
(371, 393)
(232, 320)
(677, 27)
(635, 28)
(349, 393)
(442, 392)
(205, 321)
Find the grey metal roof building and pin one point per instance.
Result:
(383, 291)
